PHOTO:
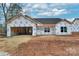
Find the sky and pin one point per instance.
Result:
(52, 10)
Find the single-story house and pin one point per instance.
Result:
(25, 25)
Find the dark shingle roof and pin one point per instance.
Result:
(48, 20)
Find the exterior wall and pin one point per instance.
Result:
(40, 31)
(75, 26)
(8, 31)
(61, 24)
(20, 22)
(34, 31)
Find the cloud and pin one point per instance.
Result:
(53, 12)
(46, 9)
(45, 14)
(27, 5)
(8, 4)
(58, 4)
(59, 11)
(40, 5)
(43, 6)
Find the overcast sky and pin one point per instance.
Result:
(52, 10)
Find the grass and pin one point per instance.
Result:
(16, 40)
(11, 43)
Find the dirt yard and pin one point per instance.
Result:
(41, 45)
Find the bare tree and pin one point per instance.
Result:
(5, 10)
(9, 10)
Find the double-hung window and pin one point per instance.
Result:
(63, 29)
(47, 29)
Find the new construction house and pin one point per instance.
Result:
(25, 25)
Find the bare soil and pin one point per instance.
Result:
(41, 45)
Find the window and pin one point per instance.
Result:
(63, 29)
(38, 28)
(46, 29)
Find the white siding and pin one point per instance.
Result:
(8, 31)
(40, 31)
(34, 31)
(75, 26)
(76, 22)
(63, 24)
(20, 22)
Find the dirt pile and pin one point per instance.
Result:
(47, 48)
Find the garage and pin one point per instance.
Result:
(21, 30)
(21, 25)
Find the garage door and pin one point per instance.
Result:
(21, 30)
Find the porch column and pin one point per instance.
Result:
(8, 31)
(34, 31)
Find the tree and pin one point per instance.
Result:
(9, 11)
(14, 10)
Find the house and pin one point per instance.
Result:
(75, 25)
(25, 25)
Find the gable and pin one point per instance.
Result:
(21, 21)
(63, 23)
(20, 15)
(76, 22)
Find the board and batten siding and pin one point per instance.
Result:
(75, 26)
(21, 22)
(63, 24)
(40, 31)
